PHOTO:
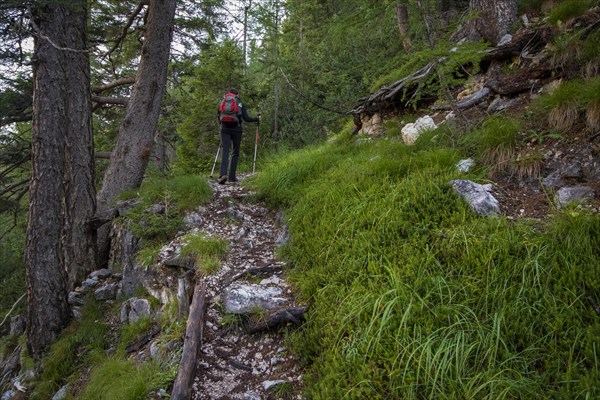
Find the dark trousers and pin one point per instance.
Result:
(230, 137)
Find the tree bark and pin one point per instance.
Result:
(403, 23)
(57, 27)
(136, 134)
(79, 241)
(493, 19)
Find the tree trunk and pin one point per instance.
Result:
(59, 55)
(79, 240)
(276, 88)
(493, 19)
(136, 136)
(403, 24)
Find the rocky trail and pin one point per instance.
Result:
(235, 363)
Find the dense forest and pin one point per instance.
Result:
(404, 286)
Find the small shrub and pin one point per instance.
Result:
(148, 254)
(208, 265)
(392, 127)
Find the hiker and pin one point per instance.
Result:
(231, 113)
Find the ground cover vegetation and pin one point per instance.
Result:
(413, 296)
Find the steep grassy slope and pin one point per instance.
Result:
(416, 297)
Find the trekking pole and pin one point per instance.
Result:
(215, 163)
(255, 146)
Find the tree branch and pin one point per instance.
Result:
(114, 84)
(12, 309)
(122, 101)
(14, 166)
(14, 186)
(130, 20)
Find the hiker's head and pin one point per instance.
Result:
(234, 91)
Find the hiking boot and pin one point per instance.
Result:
(232, 179)
(222, 180)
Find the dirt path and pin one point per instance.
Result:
(235, 364)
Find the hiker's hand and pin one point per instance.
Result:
(258, 117)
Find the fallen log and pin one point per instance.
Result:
(182, 388)
(397, 95)
(389, 94)
(294, 315)
(522, 81)
(467, 102)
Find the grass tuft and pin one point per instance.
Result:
(567, 9)
(494, 142)
(564, 116)
(208, 252)
(116, 378)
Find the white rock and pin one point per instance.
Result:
(241, 299)
(412, 131)
(465, 165)
(269, 384)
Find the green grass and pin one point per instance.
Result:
(76, 346)
(567, 9)
(115, 378)
(565, 104)
(84, 344)
(417, 298)
(493, 141)
(184, 192)
(175, 194)
(208, 252)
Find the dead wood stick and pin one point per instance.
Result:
(182, 388)
(280, 317)
(138, 345)
(469, 101)
(239, 365)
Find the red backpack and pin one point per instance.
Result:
(229, 110)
